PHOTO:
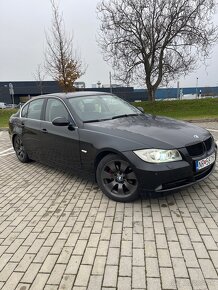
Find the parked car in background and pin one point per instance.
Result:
(9, 106)
(3, 105)
(130, 152)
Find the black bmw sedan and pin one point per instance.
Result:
(130, 152)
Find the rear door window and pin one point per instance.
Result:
(35, 109)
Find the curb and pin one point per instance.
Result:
(202, 120)
(4, 129)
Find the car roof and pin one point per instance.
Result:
(73, 94)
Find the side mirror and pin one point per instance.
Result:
(141, 109)
(61, 122)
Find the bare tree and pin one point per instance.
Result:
(39, 76)
(61, 61)
(153, 42)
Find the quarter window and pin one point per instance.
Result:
(24, 111)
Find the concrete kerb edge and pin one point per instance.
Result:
(3, 129)
(202, 120)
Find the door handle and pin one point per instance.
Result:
(44, 131)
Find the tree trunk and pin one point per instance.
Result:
(151, 93)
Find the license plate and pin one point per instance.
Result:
(200, 164)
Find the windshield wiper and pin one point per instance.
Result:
(124, 115)
(115, 117)
(96, 120)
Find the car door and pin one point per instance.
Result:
(30, 124)
(60, 143)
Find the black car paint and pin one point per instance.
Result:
(144, 131)
(82, 145)
(61, 143)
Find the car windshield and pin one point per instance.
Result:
(102, 107)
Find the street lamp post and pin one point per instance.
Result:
(99, 84)
(11, 91)
(196, 88)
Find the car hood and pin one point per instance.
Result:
(149, 131)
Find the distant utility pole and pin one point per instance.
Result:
(110, 82)
(178, 93)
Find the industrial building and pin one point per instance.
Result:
(20, 91)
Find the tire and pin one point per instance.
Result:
(117, 179)
(20, 150)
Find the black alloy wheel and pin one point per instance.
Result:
(117, 179)
(20, 150)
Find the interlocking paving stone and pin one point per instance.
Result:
(110, 276)
(168, 278)
(57, 231)
(138, 277)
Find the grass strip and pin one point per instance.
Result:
(5, 115)
(184, 109)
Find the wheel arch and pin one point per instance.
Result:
(101, 155)
(104, 153)
(12, 139)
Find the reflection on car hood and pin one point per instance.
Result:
(149, 130)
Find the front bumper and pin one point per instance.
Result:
(171, 176)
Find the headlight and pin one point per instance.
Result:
(158, 155)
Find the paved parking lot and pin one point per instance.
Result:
(57, 231)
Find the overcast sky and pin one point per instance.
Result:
(22, 41)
